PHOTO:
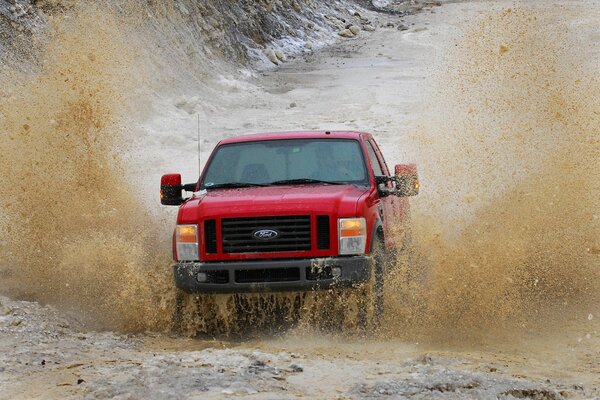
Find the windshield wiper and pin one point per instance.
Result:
(229, 185)
(304, 180)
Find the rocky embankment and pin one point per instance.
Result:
(262, 32)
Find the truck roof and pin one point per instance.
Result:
(294, 135)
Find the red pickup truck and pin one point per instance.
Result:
(291, 211)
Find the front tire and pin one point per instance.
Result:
(371, 306)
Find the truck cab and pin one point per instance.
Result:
(291, 211)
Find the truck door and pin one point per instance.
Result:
(387, 206)
(399, 208)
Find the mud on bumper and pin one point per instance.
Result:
(272, 275)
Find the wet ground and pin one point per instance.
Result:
(45, 356)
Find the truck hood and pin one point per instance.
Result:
(338, 200)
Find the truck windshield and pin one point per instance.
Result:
(286, 161)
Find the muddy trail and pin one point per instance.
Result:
(498, 296)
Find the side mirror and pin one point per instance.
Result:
(407, 180)
(171, 188)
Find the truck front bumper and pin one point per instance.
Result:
(272, 275)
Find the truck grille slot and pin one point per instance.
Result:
(293, 234)
(217, 277)
(313, 274)
(267, 275)
(210, 235)
(323, 232)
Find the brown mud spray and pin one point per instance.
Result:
(73, 232)
(507, 230)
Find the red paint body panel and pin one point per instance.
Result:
(170, 180)
(405, 169)
(295, 135)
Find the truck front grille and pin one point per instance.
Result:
(239, 234)
(323, 232)
(210, 235)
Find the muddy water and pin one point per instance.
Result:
(73, 232)
(508, 225)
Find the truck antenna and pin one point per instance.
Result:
(199, 154)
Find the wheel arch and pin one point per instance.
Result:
(377, 234)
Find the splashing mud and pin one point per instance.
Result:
(509, 231)
(505, 231)
(75, 233)
(257, 314)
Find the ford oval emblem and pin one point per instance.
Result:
(265, 234)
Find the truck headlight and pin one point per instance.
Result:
(186, 239)
(352, 235)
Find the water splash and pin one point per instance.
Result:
(75, 232)
(512, 162)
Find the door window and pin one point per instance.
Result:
(374, 161)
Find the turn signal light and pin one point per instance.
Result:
(352, 227)
(186, 233)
